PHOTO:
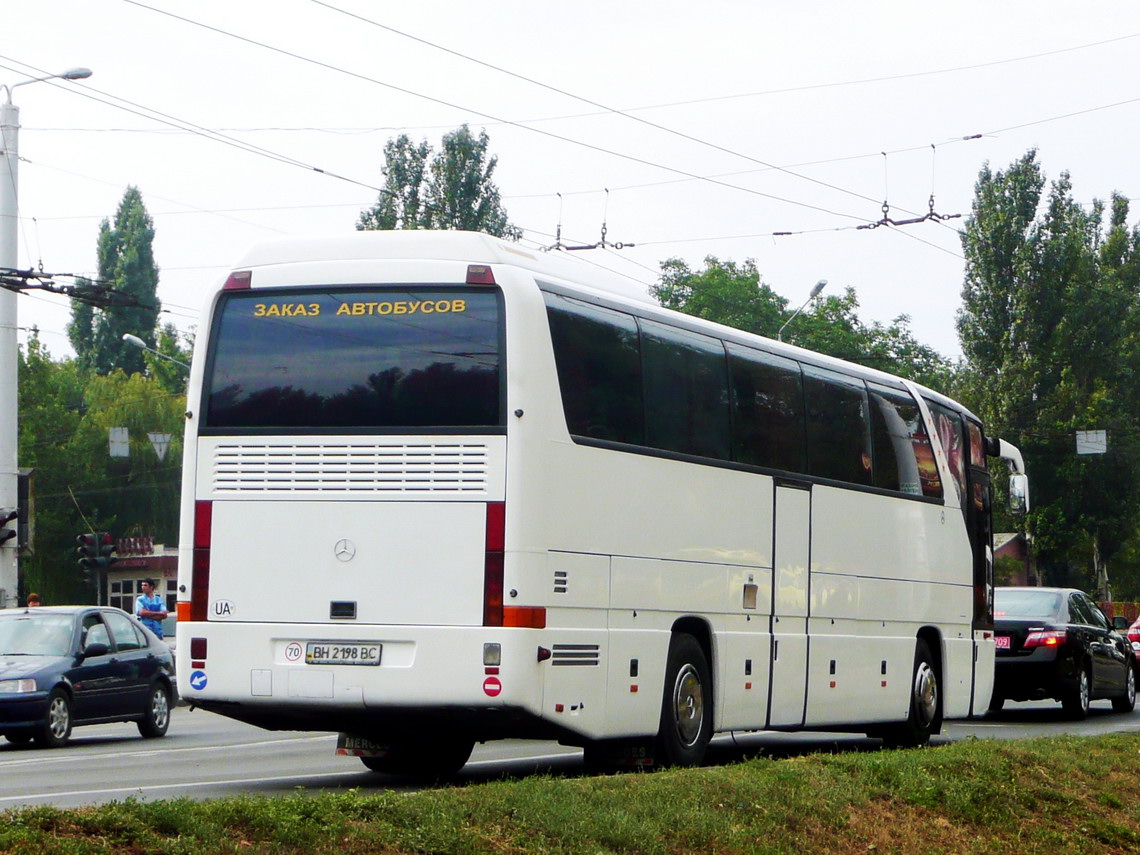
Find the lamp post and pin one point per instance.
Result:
(9, 352)
(815, 291)
(134, 340)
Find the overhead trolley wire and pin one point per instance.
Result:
(483, 114)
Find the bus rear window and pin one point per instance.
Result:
(343, 359)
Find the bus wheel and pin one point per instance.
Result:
(438, 760)
(686, 708)
(925, 713)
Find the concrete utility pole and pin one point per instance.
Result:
(9, 349)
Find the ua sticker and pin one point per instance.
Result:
(198, 680)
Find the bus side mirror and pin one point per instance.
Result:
(1018, 494)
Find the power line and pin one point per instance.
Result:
(454, 106)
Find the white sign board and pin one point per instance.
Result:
(1092, 441)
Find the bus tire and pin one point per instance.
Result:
(686, 708)
(439, 760)
(924, 716)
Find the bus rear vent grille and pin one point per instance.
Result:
(350, 468)
(574, 654)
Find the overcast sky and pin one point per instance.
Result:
(713, 125)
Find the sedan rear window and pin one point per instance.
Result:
(1030, 604)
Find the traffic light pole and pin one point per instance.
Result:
(9, 354)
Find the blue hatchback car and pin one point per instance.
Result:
(63, 666)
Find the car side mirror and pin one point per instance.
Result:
(95, 648)
(1120, 622)
(1018, 494)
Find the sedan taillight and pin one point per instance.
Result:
(1045, 638)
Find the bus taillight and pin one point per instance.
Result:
(493, 564)
(239, 280)
(200, 576)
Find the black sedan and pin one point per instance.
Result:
(63, 666)
(1057, 643)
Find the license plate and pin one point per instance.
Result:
(1002, 642)
(339, 653)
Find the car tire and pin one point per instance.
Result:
(1076, 701)
(924, 718)
(686, 707)
(156, 716)
(18, 738)
(56, 729)
(996, 703)
(1127, 701)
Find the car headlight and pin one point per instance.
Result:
(17, 687)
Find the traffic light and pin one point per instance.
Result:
(7, 515)
(88, 553)
(96, 550)
(106, 546)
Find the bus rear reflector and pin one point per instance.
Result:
(480, 274)
(239, 280)
(200, 570)
(493, 564)
(528, 617)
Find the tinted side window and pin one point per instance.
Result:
(686, 391)
(599, 370)
(948, 425)
(127, 637)
(903, 459)
(767, 409)
(838, 428)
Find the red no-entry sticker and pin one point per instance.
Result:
(492, 686)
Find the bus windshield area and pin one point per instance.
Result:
(356, 358)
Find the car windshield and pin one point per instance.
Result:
(35, 635)
(1032, 604)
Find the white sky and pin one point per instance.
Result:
(818, 88)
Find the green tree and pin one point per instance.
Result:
(736, 295)
(454, 189)
(1048, 330)
(126, 263)
(66, 411)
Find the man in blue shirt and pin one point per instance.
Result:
(150, 609)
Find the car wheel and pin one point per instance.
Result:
(156, 717)
(996, 703)
(1127, 701)
(18, 738)
(925, 716)
(1076, 702)
(56, 729)
(686, 707)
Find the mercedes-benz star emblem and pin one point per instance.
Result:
(345, 549)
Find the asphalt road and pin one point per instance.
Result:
(205, 756)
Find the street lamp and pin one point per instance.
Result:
(815, 291)
(142, 345)
(9, 351)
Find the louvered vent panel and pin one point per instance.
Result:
(574, 654)
(350, 469)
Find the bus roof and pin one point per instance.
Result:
(479, 248)
(469, 247)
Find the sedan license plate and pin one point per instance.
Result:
(1002, 642)
(341, 653)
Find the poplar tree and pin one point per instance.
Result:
(453, 188)
(126, 264)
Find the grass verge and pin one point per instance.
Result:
(1071, 795)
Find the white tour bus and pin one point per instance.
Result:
(439, 489)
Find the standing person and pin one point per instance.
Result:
(150, 609)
